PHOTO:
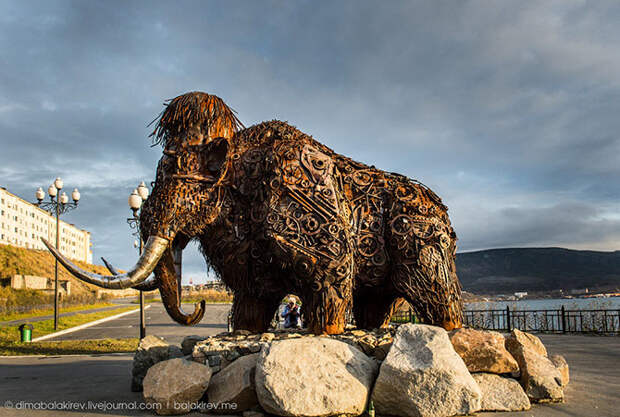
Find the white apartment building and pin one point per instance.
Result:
(23, 224)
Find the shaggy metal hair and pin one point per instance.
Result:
(194, 109)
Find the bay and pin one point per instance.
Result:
(608, 303)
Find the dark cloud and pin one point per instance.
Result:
(509, 111)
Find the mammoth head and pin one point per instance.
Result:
(194, 131)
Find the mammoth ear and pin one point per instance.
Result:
(214, 156)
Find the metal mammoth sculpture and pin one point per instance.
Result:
(277, 212)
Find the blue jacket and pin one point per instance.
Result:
(291, 316)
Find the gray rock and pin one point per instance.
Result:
(562, 366)
(234, 385)
(176, 385)
(422, 375)
(313, 376)
(540, 378)
(188, 343)
(151, 350)
(483, 351)
(501, 394)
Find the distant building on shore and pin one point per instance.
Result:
(23, 224)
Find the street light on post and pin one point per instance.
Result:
(135, 200)
(57, 205)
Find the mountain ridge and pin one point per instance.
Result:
(502, 270)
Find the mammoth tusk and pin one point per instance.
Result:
(149, 285)
(153, 251)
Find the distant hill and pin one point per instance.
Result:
(497, 271)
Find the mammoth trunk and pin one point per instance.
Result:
(170, 289)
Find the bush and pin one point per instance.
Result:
(23, 301)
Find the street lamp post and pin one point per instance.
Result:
(136, 198)
(58, 204)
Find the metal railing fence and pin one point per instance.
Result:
(603, 321)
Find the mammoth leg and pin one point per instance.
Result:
(434, 302)
(252, 313)
(327, 312)
(372, 310)
(329, 297)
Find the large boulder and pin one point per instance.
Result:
(175, 386)
(501, 394)
(540, 378)
(313, 376)
(562, 366)
(531, 342)
(483, 351)
(234, 385)
(151, 350)
(422, 375)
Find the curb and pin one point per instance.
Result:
(85, 325)
(60, 355)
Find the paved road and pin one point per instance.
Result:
(157, 323)
(61, 314)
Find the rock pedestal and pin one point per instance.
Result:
(422, 375)
(176, 385)
(151, 350)
(234, 385)
(483, 351)
(501, 394)
(540, 378)
(562, 367)
(416, 370)
(314, 376)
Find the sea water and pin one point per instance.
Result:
(607, 303)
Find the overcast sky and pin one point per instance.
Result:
(510, 111)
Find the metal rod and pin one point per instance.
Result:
(142, 317)
(56, 269)
(563, 320)
(508, 319)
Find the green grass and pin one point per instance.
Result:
(45, 312)
(41, 328)
(210, 296)
(10, 344)
(403, 319)
(68, 347)
(187, 300)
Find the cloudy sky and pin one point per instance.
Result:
(510, 111)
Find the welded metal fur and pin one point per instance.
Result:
(277, 212)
